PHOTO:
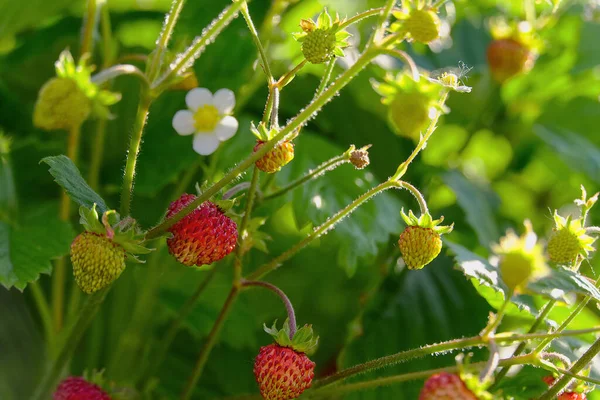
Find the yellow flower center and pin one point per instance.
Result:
(206, 118)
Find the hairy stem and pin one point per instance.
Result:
(239, 251)
(326, 77)
(287, 78)
(322, 229)
(382, 24)
(389, 380)
(89, 25)
(328, 165)
(208, 345)
(69, 343)
(255, 37)
(582, 363)
(285, 132)
(164, 38)
(359, 17)
(134, 149)
(286, 301)
(496, 319)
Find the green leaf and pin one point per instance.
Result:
(578, 152)
(26, 250)
(478, 203)
(67, 175)
(562, 281)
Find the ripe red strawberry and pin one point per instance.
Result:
(282, 369)
(572, 396)
(507, 58)
(97, 261)
(203, 236)
(420, 243)
(282, 373)
(445, 386)
(276, 158)
(77, 388)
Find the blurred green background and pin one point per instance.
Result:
(502, 155)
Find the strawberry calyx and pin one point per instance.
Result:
(573, 231)
(124, 232)
(322, 40)
(303, 341)
(426, 221)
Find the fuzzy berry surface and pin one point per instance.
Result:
(204, 236)
(61, 104)
(282, 373)
(318, 46)
(507, 58)
(419, 246)
(77, 388)
(445, 386)
(275, 159)
(97, 261)
(563, 246)
(424, 26)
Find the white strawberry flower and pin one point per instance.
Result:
(207, 118)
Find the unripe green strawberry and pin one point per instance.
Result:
(423, 25)
(282, 369)
(507, 58)
(521, 258)
(568, 240)
(61, 104)
(204, 236)
(282, 373)
(445, 386)
(322, 40)
(419, 246)
(420, 243)
(276, 158)
(97, 261)
(409, 113)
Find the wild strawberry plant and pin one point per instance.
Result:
(246, 197)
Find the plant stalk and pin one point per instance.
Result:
(286, 301)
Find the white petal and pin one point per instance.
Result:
(205, 143)
(226, 128)
(224, 100)
(198, 97)
(183, 122)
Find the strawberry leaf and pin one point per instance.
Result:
(562, 281)
(67, 175)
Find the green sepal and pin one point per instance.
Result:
(225, 205)
(469, 376)
(90, 220)
(262, 132)
(426, 221)
(255, 238)
(303, 341)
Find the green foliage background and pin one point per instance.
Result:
(502, 155)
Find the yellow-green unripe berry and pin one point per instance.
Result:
(423, 25)
(409, 113)
(319, 45)
(61, 104)
(564, 246)
(516, 268)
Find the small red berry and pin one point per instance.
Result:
(445, 386)
(203, 236)
(276, 158)
(77, 388)
(282, 373)
(507, 58)
(572, 396)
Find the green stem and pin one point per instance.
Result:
(208, 345)
(286, 302)
(418, 196)
(164, 38)
(582, 363)
(43, 308)
(432, 125)
(389, 380)
(359, 17)
(186, 59)
(324, 228)
(89, 24)
(578, 376)
(60, 267)
(115, 71)
(382, 23)
(255, 37)
(285, 132)
(187, 178)
(326, 77)
(493, 325)
(168, 338)
(414, 70)
(287, 78)
(134, 149)
(438, 348)
(239, 251)
(536, 324)
(69, 343)
(328, 165)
